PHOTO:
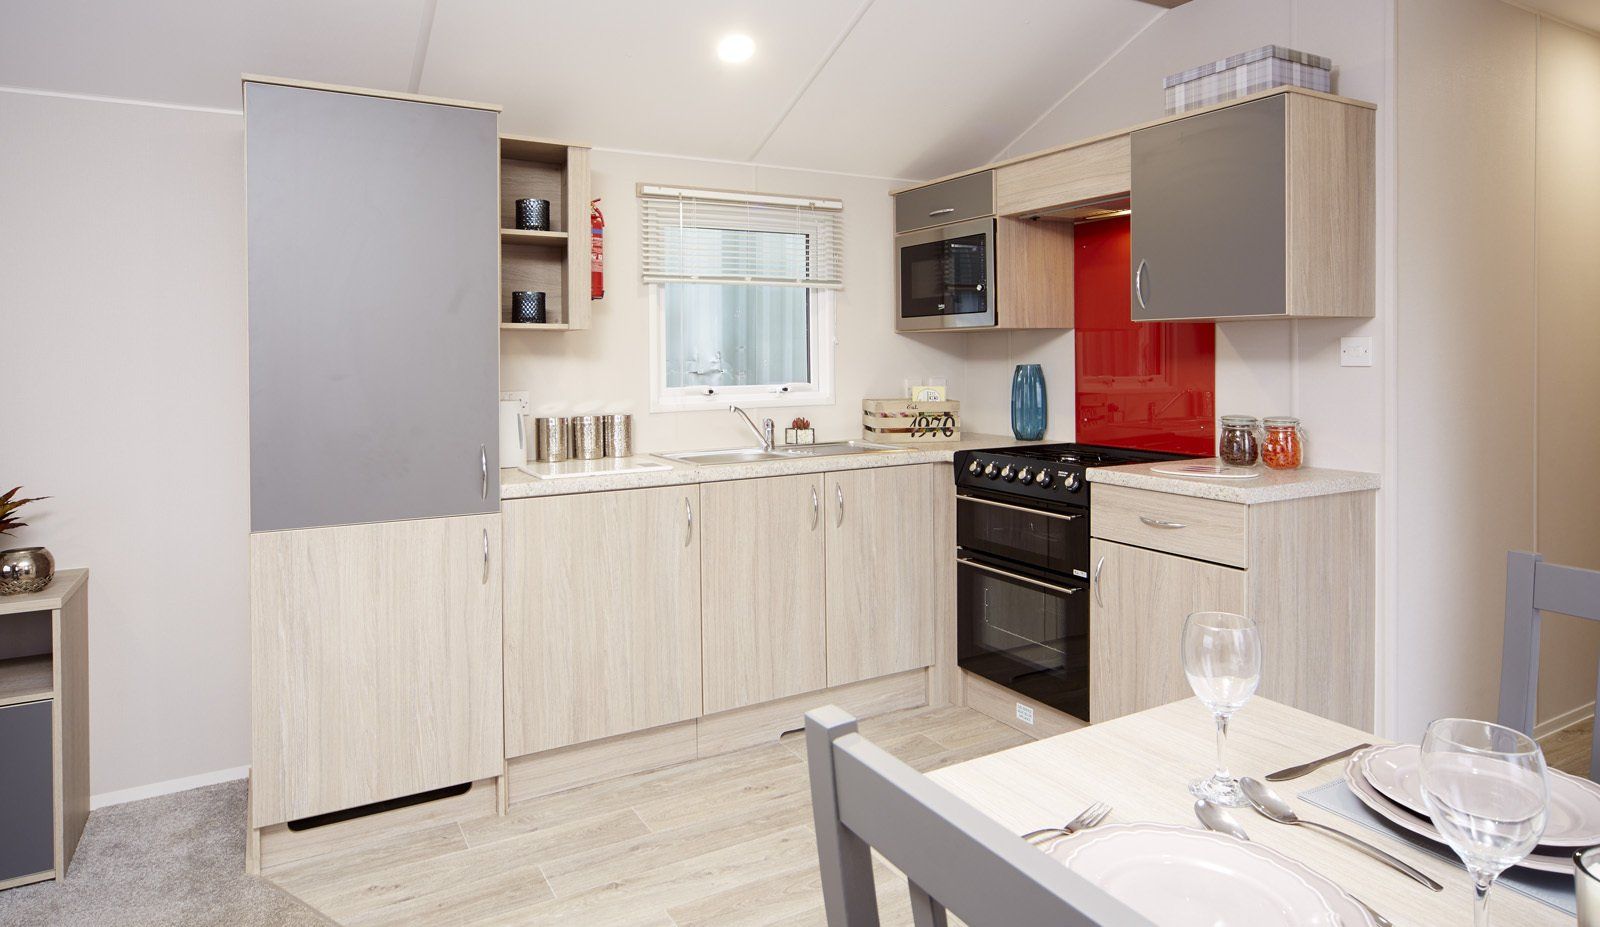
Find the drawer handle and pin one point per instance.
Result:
(1159, 523)
(942, 212)
(688, 522)
(816, 509)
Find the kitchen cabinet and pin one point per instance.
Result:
(602, 615)
(969, 196)
(1262, 209)
(375, 663)
(763, 612)
(887, 571)
(1083, 173)
(1302, 568)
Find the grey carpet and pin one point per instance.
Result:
(172, 861)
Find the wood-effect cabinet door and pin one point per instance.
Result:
(763, 610)
(375, 661)
(1138, 601)
(887, 573)
(602, 615)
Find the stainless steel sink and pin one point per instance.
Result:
(756, 454)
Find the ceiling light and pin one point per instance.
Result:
(736, 48)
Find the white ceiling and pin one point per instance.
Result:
(893, 88)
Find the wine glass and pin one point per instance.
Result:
(1488, 792)
(1222, 658)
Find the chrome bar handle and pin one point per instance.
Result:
(963, 497)
(688, 521)
(1099, 590)
(1160, 523)
(838, 492)
(1065, 590)
(1138, 285)
(942, 212)
(483, 465)
(816, 509)
(486, 555)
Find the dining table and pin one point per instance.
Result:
(1141, 764)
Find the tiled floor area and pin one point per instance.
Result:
(722, 841)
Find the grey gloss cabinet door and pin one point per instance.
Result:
(27, 806)
(1208, 227)
(373, 287)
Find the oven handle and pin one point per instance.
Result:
(963, 497)
(1064, 590)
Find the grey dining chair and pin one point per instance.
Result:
(1534, 586)
(955, 858)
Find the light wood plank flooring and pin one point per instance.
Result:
(722, 841)
(1568, 748)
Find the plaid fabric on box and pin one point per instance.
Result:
(1246, 73)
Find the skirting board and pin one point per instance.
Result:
(1562, 721)
(154, 789)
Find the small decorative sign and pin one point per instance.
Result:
(911, 421)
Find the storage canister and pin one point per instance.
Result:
(619, 435)
(553, 439)
(1283, 448)
(588, 439)
(1236, 440)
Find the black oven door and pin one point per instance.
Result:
(1052, 540)
(1028, 634)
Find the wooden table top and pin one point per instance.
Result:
(1142, 763)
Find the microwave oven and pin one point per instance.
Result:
(944, 276)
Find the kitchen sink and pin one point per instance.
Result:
(756, 454)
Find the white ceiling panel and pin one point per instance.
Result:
(628, 74)
(925, 87)
(192, 51)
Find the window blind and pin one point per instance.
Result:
(691, 235)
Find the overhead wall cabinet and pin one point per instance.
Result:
(374, 357)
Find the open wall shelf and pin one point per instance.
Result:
(554, 261)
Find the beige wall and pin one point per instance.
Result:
(607, 368)
(123, 368)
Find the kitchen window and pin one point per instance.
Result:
(741, 296)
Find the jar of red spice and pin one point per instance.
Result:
(1284, 446)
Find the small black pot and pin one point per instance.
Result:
(527, 306)
(533, 215)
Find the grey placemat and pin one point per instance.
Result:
(1554, 889)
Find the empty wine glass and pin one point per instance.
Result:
(1222, 658)
(1488, 793)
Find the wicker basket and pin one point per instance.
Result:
(906, 421)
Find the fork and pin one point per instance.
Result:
(1087, 818)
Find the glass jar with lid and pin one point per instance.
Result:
(1237, 444)
(1283, 448)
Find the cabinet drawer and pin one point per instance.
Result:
(1087, 172)
(1184, 525)
(951, 201)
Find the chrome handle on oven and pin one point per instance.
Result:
(1099, 590)
(962, 497)
(816, 509)
(1159, 523)
(1065, 590)
(942, 212)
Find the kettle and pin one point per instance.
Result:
(513, 436)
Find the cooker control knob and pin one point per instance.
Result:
(1025, 477)
(1008, 474)
(991, 471)
(975, 467)
(1045, 479)
(1072, 483)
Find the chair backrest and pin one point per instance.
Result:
(1534, 586)
(955, 857)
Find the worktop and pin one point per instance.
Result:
(514, 484)
(1269, 486)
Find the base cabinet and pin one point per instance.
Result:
(27, 818)
(602, 615)
(375, 662)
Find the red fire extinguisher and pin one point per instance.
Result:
(597, 268)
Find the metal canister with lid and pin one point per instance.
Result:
(552, 439)
(619, 434)
(588, 438)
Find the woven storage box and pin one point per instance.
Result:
(1246, 73)
(906, 421)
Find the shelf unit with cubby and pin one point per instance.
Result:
(553, 261)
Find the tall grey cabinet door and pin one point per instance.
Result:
(1208, 215)
(374, 310)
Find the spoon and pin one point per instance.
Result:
(1215, 817)
(1272, 806)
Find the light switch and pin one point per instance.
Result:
(516, 396)
(1355, 352)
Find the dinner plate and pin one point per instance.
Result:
(1396, 772)
(1205, 879)
(1422, 826)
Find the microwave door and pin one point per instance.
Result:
(944, 276)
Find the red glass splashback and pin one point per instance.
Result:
(1148, 385)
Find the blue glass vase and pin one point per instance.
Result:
(1029, 404)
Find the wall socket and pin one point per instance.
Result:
(1355, 352)
(516, 396)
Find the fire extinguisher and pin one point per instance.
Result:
(597, 266)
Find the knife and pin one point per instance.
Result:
(1295, 772)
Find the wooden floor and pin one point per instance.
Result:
(1568, 748)
(721, 841)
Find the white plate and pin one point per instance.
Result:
(1396, 772)
(1205, 879)
(1405, 819)
(1206, 471)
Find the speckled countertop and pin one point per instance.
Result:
(514, 484)
(1269, 486)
